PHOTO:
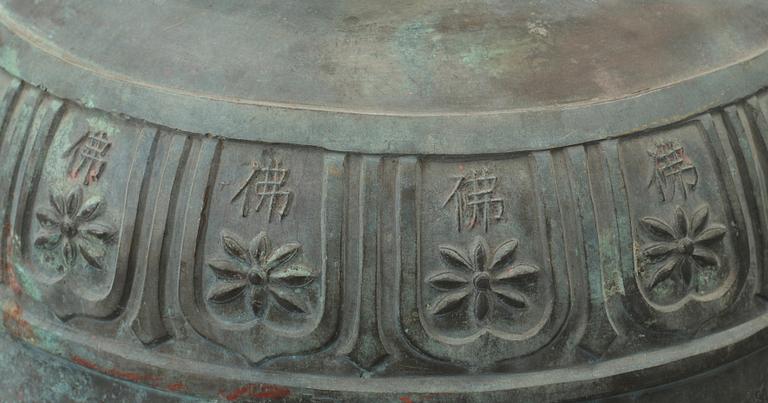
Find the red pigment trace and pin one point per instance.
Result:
(15, 324)
(128, 376)
(258, 391)
(176, 387)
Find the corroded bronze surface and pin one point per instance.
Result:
(423, 200)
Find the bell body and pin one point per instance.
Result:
(398, 201)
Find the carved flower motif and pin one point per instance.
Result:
(485, 282)
(681, 249)
(71, 226)
(266, 274)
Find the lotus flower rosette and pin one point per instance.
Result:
(71, 228)
(481, 280)
(263, 275)
(679, 251)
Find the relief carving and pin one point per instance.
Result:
(265, 187)
(266, 277)
(488, 281)
(88, 156)
(475, 200)
(71, 228)
(674, 172)
(680, 251)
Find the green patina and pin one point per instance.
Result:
(27, 282)
(101, 124)
(9, 58)
(417, 50)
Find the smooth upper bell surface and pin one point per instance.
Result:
(424, 75)
(403, 57)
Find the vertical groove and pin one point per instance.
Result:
(720, 132)
(176, 237)
(350, 320)
(40, 134)
(405, 247)
(168, 237)
(12, 144)
(7, 106)
(368, 349)
(599, 333)
(332, 234)
(608, 241)
(37, 155)
(195, 224)
(573, 248)
(758, 131)
(148, 324)
(552, 243)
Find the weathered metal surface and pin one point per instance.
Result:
(442, 200)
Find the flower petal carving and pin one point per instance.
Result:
(74, 199)
(227, 291)
(448, 281)
(288, 300)
(682, 221)
(58, 202)
(92, 208)
(700, 217)
(518, 272)
(454, 258)
(226, 270)
(258, 300)
(503, 254)
(233, 246)
(104, 232)
(93, 257)
(270, 277)
(293, 276)
(482, 307)
(712, 234)
(659, 249)
(69, 252)
(512, 298)
(259, 247)
(680, 254)
(659, 229)
(484, 281)
(47, 218)
(478, 251)
(448, 302)
(705, 257)
(47, 240)
(71, 229)
(282, 255)
(666, 270)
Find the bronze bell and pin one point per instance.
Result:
(407, 201)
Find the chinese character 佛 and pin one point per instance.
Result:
(673, 173)
(264, 187)
(475, 200)
(87, 156)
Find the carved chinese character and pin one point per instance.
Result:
(674, 172)
(88, 156)
(264, 187)
(475, 200)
